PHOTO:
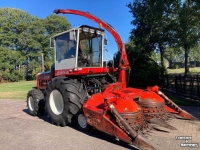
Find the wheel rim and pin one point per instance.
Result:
(31, 103)
(56, 102)
(82, 121)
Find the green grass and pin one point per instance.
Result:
(16, 90)
(195, 70)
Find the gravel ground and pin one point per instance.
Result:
(19, 130)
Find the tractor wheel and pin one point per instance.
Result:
(81, 121)
(35, 102)
(64, 98)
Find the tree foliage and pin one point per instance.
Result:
(195, 53)
(152, 24)
(160, 24)
(188, 23)
(23, 38)
(144, 69)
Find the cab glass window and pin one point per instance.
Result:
(65, 46)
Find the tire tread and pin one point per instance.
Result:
(39, 103)
(69, 89)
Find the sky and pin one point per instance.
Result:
(114, 12)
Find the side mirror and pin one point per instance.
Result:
(105, 42)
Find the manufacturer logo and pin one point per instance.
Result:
(62, 72)
(46, 77)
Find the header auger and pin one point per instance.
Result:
(80, 88)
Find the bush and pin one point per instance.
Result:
(14, 76)
(144, 70)
(5, 75)
(35, 72)
(18, 75)
(48, 65)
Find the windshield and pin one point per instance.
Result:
(90, 50)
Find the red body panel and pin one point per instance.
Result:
(98, 118)
(42, 79)
(84, 71)
(168, 109)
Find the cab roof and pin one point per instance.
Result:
(79, 27)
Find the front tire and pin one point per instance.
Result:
(64, 98)
(81, 121)
(35, 102)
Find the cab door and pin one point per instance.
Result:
(65, 50)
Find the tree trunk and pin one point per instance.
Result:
(186, 59)
(42, 69)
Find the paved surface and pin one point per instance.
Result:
(19, 130)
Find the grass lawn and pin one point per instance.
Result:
(195, 70)
(16, 90)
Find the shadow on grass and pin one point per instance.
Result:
(92, 132)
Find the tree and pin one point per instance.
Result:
(195, 53)
(187, 28)
(153, 22)
(24, 37)
(9, 61)
(12, 23)
(166, 23)
(174, 56)
(143, 68)
(13, 29)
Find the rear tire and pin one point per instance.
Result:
(35, 102)
(64, 98)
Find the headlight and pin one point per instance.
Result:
(98, 32)
(85, 29)
(91, 30)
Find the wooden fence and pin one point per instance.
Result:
(187, 86)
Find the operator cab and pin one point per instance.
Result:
(80, 47)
